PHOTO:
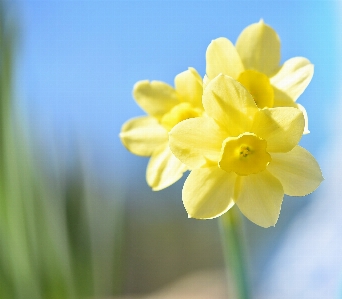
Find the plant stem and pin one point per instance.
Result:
(234, 251)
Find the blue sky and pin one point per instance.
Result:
(78, 62)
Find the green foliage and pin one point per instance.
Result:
(58, 239)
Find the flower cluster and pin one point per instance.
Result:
(237, 130)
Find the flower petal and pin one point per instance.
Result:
(297, 170)
(281, 127)
(259, 48)
(155, 98)
(197, 141)
(208, 192)
(188, 84)
(206, 80)
(164, 168)
(141, 135)
(281, 99)
(306, 127)
(222, 57)
(259, 197)
(294, 76)
(230, 104)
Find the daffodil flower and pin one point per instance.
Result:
(241, 154)
(148, 135)
(254, 62)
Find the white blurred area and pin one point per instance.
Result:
(308, 263)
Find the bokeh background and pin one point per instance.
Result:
(84, 223)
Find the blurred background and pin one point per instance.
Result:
(77, 219)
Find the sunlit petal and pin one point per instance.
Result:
(259, 197)
(222, 57)
(259, 48)
(156, 97)
(164, 168)
(208, 192)
(282, 99)
(294, 76)
(197, 141)
(141, 135)
(282, 128)
(297, 170)
(206, 80)
(188, 84)
(306, 127)
(230, 104)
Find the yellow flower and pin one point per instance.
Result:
(241, 154)
(254, 62)
(148, 135)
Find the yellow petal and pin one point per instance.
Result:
(197, 141)
(156, 97)
(222, 57)
(230, 104)
(281, 99)
(297, 170)
(259, 197)
(306, 127)
(206, 80)
(259, 48)
(281, 127)
(258, 85)
(188, 84)
(294, 76)
(164, 168)
(141, 135)
(208, 192)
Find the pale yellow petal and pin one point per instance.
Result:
(222, 57)
(259, 197)
(306, 127)
(206, 80)
(294, 76)
(208, 192)
(155, 98)
(281, 127)
(297, 170)
(281, 99)
(141, 135)
(164, 168)
(188, 84)
(197, 141)
(230, 104)
(259, 48)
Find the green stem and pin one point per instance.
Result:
(234, 251)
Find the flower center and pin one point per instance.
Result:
(244, 151)
(259, 87)
(245, 154)
(178, 113)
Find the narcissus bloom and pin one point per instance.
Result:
(254, 62)
(148, 135)
(241, 154)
